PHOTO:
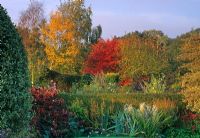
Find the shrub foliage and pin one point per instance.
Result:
(51, 118)
(98, 109)
(189, 56)
(15, 100)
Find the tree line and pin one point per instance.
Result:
(68, 44)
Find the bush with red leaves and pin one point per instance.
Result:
(51, 118)
(191, 119)
(189, 116)
(126, 82)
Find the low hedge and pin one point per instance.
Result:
(118, 100)
(64, 81)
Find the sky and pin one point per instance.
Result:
(118, 17)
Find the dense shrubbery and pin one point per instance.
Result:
(113, 98)
(156, 85)
(15, 100)
(190, 80)
(64, 82)
(187, 126)
(100, 83)
(98, 109)
(51, 118)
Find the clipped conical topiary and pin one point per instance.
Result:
(15, 100)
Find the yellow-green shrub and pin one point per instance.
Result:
(189, 57)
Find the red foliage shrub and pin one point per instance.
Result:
(126, 82)
(104, 57)
(51, 118)
(189, 116)
(41, 94)
(191, 119)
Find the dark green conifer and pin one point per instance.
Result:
(15, 99)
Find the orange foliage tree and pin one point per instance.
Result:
(104, 57)
(60, 46)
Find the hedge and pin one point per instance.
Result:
(64, 81)
(118, 100)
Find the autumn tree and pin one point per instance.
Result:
(104, 57)
(66, 37)
(142, 54)
(155, 39)
(61, 48)
(167, 49)
(29, 26)
(190, 58)
(33, 16)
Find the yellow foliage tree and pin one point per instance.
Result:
(190, 57)
(140, 57)
(61, 49)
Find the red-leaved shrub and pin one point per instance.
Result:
(189, 116)
(51, 118)
(126, 82)
(191, 119)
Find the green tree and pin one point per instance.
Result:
(142, 54)
(190, 58)
(80, 15)
(15, 99)
(172, 73)
(95, 34)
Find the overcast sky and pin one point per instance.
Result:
(118, 17)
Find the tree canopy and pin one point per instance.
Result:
(30, 23)
(143, 54)
(189, 56)
(104, 57)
